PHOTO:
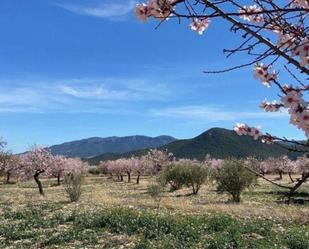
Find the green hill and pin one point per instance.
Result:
(218, 142)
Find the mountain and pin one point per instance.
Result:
(95, 146)
(218, 142)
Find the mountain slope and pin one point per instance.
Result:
(218, 142)
(91, 147)
(222, 143)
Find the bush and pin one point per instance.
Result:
(93, 170)
(196, 176)
(73, 185)
(233, 178)
(173, 175)
(179, 175)
(154, 190)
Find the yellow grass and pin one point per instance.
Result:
(99, 190)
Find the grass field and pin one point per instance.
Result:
(121, 215)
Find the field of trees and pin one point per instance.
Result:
(173, 204)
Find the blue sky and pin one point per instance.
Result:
(77, 69)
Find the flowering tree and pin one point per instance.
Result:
(159, 159)
(274, 36)
(58, 167)
(8, 165)
(115, 168)
(75, 165)
(35, 164)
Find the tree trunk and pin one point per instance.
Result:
(38, 182)
(8, 176)
(129, 176)
(280, 175)
(58, 180)
(195, 189)
(290, 175)
(236, 198)
(297, 185)
(137, 179)
(121, 178)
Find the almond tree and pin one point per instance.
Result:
(274, 36)
(159, 159)
(35, 164)
(8, 165)
(115, 168)
(140, 166)
(75, 165)
(58, 168)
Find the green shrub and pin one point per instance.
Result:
(174, 175)
(154, 190)
(93, 170)
(179, 175)
(73, 185)
(196, 176)
(234, 178)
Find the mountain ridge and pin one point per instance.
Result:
(94, 146)
(218, 142)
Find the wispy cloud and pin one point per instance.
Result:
(104, 9)
(213, 114)
(114, 89)
(78, 95)
(94, 93)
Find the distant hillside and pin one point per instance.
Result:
(218, 142)
(95, 146)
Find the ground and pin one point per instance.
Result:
(28, 220)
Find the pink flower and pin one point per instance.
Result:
(255, 132)
(262, 73)
(267, 139)
(293, 99)
(270, 107)
(300, 3)
(248, 14)
(241, 129)
(142, 12)
(200, 25)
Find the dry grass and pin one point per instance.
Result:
(262, 201)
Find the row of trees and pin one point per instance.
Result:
(37, 163)
(193, 173)
(149, 164)
(156, 160)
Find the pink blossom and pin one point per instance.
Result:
(262, 73)
(270, 107)
(200, 25)
(241, 129)
(248, 14)
(142, 12)
(255, 132)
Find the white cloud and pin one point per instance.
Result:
(100, 95)
(200, 112)
(103, 8)
(94, 93)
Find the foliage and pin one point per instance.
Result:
(184, 173)
(93, 170)
(234, 178)
(154, 190)
(73, 185)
